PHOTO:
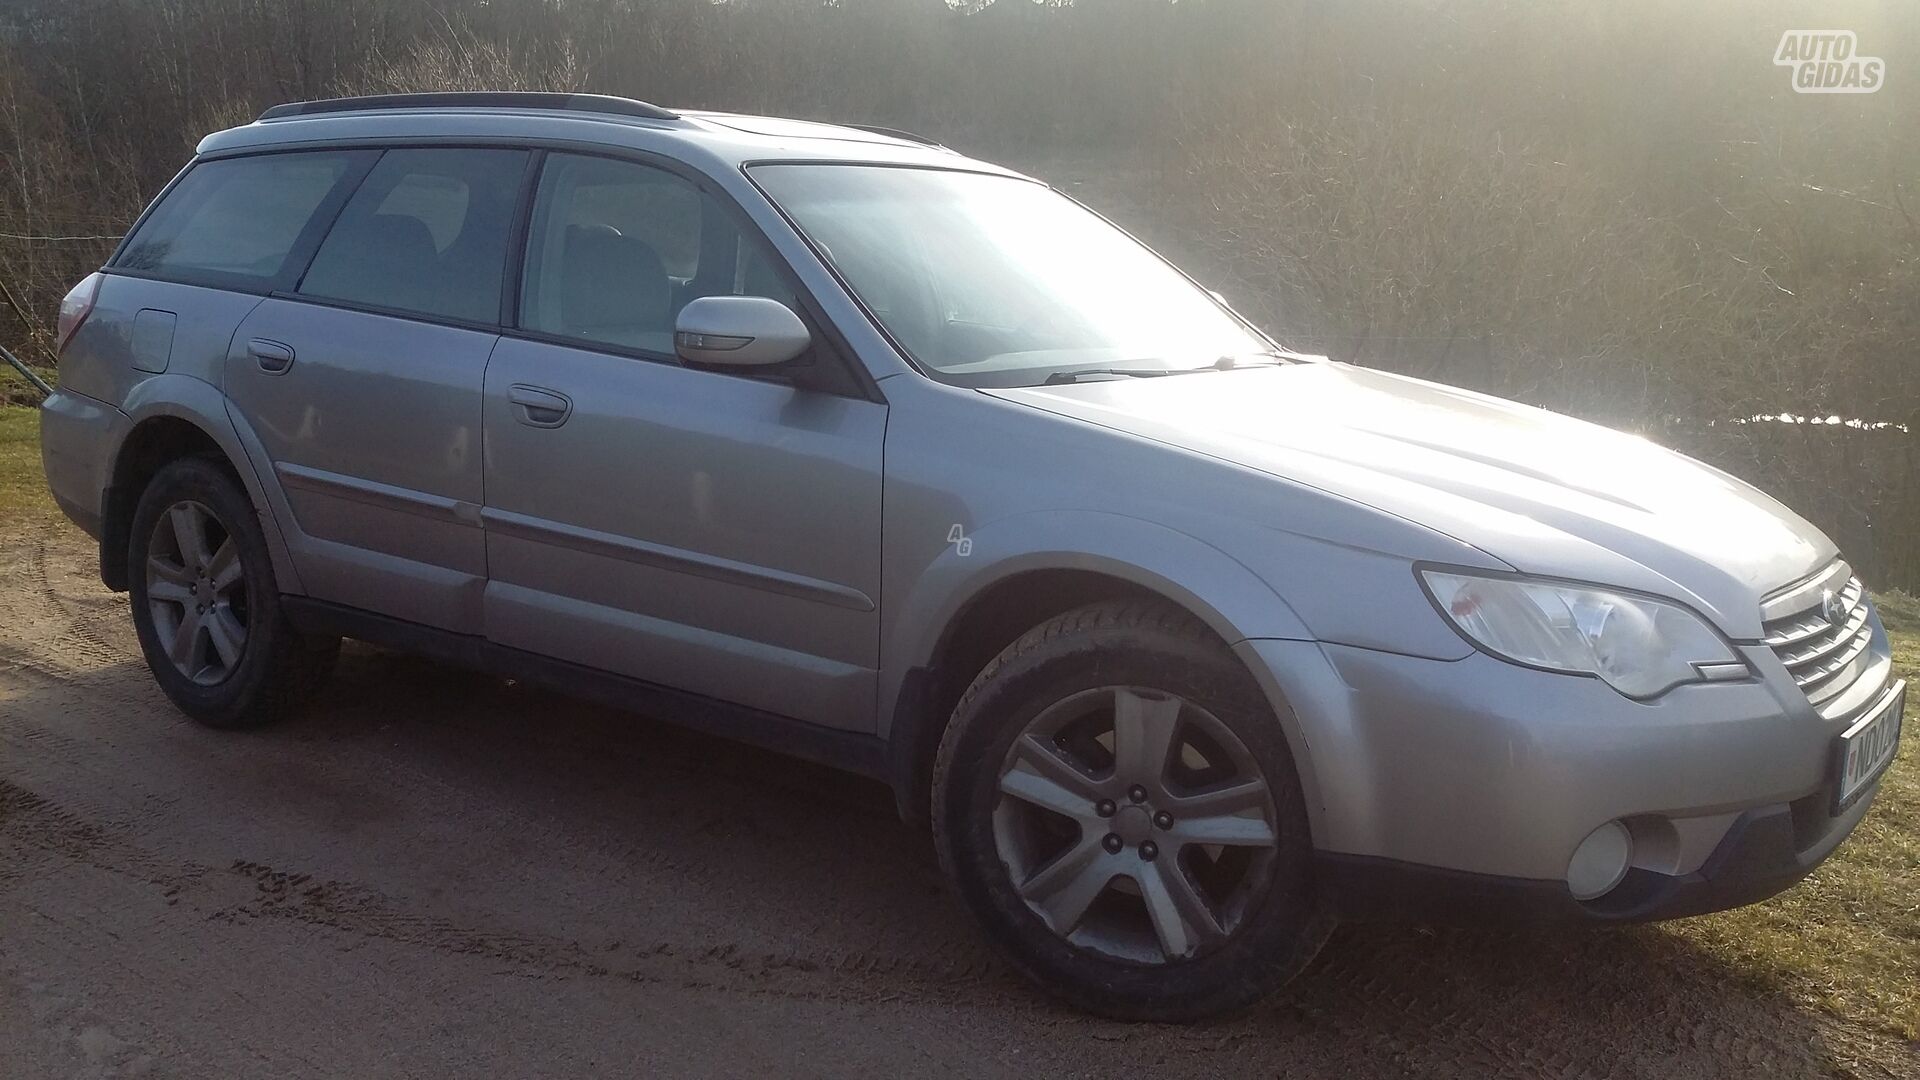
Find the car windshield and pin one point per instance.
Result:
(997, 281)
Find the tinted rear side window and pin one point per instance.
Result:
(426, 232)
(235, 219)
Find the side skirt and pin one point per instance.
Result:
(865, 755)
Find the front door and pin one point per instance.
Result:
(712, 532)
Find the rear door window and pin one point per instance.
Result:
(235, 220)
(426, 233)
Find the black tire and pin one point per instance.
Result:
(1154, 647)
(276, 669)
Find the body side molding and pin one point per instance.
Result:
(629, 549)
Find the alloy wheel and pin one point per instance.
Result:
(197, 593)
(1135, 824)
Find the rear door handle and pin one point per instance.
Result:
(273, 357)
(537, 407)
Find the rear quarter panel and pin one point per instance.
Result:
(106, 359)
(136, 377)
(76, 436)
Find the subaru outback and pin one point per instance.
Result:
(1185, 646)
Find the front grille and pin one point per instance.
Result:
(1824, 636)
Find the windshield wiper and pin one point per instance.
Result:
(1059, 377)
(1225, 363)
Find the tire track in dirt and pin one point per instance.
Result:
(76, 741)
(32, 825)
(84, 623)
(728, 967)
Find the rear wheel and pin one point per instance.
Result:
(206, 607)
(1115, 800)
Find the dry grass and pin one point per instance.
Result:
(1846, 940)
(1901, 612)
(23, 491)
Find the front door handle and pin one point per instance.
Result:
(274, 357)
(537, 407)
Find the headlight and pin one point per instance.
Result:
(1641, 647)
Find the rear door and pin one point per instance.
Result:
(709, 531)
(226, 233)
(363, 384)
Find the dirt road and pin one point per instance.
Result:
(435, 873)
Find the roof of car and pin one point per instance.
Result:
(727, 139)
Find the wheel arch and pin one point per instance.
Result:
(982, 608)
(175, 416)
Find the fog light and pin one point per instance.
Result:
(1600, 861)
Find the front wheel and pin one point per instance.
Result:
(1114, 799)
(206, 607)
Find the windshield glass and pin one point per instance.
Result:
(996, 281)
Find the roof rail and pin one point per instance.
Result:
(488, 99)
(896, 133)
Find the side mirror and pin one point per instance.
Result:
(739, 331)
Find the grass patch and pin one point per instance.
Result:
(1899, 610)
(1847, 939)
(23, 488)
(18, 392)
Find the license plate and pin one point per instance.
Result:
(1867, 748)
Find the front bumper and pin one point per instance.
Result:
(1764, 852)
(1458, 791)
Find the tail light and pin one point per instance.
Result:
(75, 309)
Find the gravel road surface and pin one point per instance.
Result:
(437, 873)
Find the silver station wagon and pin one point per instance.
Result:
(1184, 645)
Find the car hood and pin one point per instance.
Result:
(1544, 493)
